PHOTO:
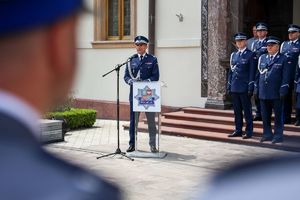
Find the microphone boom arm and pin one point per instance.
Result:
(118, 66)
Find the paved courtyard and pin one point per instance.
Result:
(181, 175)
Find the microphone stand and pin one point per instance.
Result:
(118, 150)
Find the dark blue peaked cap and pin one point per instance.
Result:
(294, 28)
(261, 26)
(22, 15)
(240, 36)
(273, 40)
(141, 39)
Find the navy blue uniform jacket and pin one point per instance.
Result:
(28, 172)
(145, 70)
(297, 78)
(273, 79)
(291, 49)
(242, 72)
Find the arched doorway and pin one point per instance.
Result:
(278, 14)
(220, 20)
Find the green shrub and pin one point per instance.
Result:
(75, 118)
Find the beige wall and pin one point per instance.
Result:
(178, 48)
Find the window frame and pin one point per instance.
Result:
(101, 38)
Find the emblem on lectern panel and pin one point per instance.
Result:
(146, 97)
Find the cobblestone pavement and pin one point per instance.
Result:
(182, 174)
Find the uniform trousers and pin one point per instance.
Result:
(257, 100)
(298, 106)
(287, 105)
(267, 105)
(258, 107)
(242, 102)
(151, 126)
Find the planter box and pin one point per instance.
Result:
(51, 131)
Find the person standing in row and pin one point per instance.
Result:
(260, 48)
(144, 67)
(241, 84)
(297, 91)
(291, 48)
(252, 40)
(273, 85)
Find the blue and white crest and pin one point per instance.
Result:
(146, 97)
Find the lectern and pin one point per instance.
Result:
(147, 98)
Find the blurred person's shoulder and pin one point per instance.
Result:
(27, 171)
(271, 178)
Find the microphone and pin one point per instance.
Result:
(133, 56)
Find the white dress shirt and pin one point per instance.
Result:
(20, 110)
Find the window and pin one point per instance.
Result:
(114, 23)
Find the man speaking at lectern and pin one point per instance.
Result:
(142, 67)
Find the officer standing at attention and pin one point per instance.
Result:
(259, 47)
(241, 85)
(297, 90)
(143, 67)
(252, 40)
(273, 86)
(291, 48)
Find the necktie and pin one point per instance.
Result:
(259, 43)
(141, 58)
(271, 58)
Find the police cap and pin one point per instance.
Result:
(261, 26)
(273, 40)
(293, 28)
(21, 15)
(141, 40)
(240, 36)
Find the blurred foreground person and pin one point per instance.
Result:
(274, 178)
(37, 67)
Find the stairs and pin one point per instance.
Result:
(215, 125)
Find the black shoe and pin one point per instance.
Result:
(131, 148)
(263, 139)
(277, 140)
(153, 149)
(257, 118)
(236, 134)
(246, 136)
(297, 123)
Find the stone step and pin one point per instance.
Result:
(288, 144)
(215, 125)
(223, 120)
(220, 128)
(213, 112)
